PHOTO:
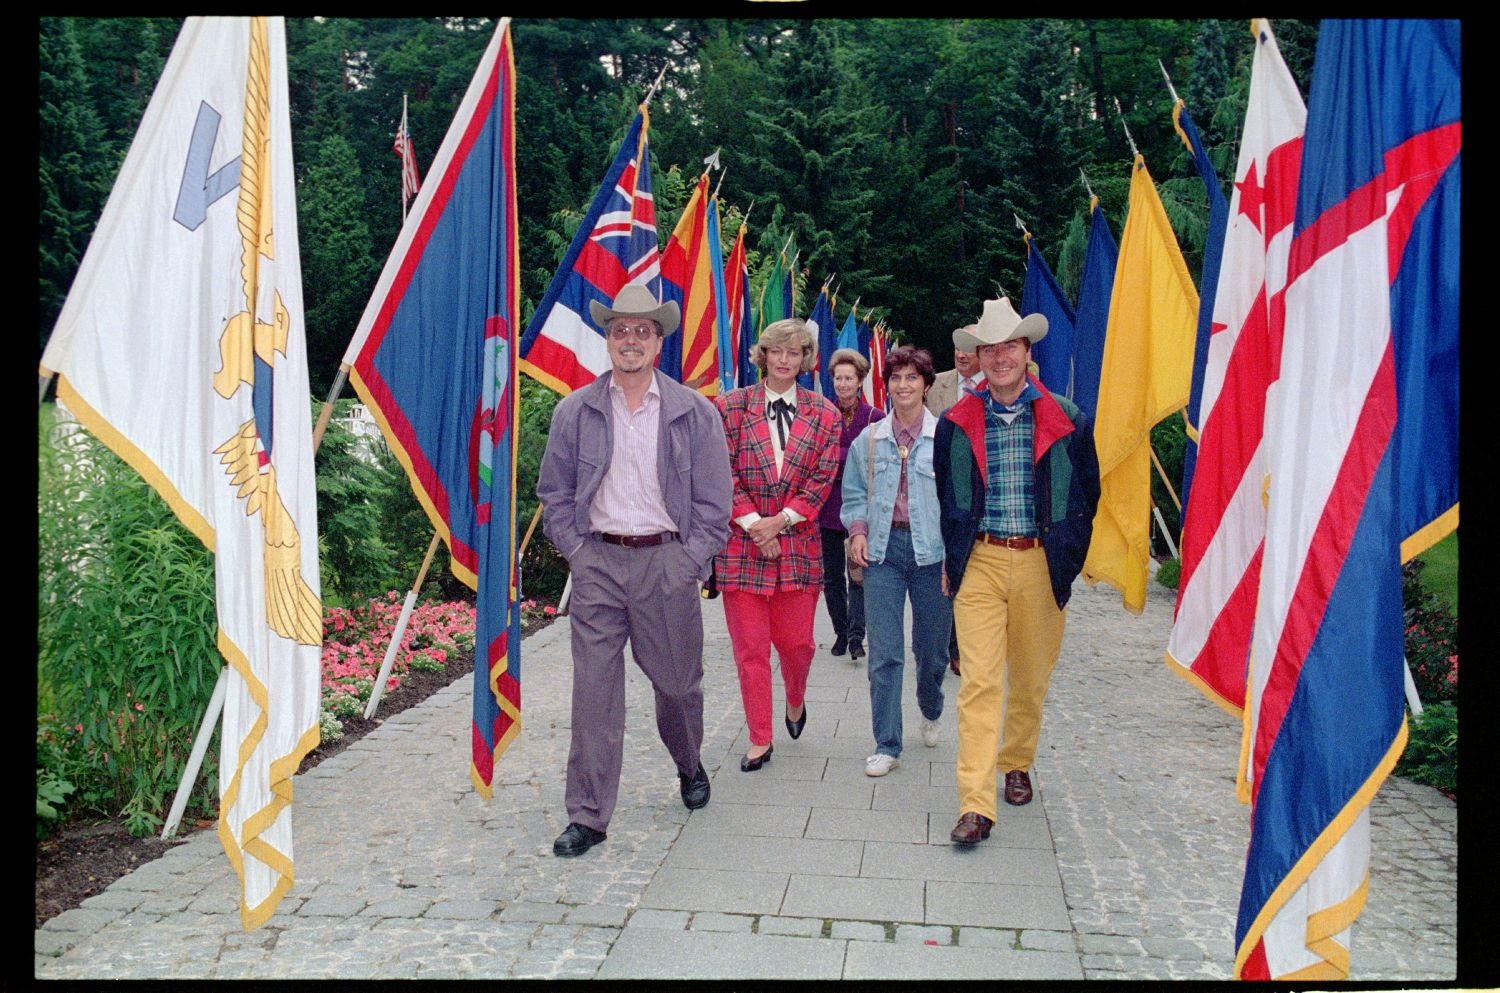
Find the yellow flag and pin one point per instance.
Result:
(1147, 371)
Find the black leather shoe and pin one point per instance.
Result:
(694, 788)
(794, 728)
(576, 840)
(747, 764)
(840, 646)
(856, 650)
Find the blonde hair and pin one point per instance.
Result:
(788, 333)
(848, 356)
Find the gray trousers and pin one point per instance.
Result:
(648, 596)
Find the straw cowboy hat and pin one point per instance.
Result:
(635, 300)
(999, 323)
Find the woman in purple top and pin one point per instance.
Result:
(846, 602)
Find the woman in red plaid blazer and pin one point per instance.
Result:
(783, 454)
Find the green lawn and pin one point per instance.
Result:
(1440, 570)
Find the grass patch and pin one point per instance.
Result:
(1440, 571)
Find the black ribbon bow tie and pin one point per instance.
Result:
(781, 412)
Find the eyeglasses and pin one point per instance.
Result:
(640, 332)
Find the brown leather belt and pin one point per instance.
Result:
(1017, 543)
(637, 540)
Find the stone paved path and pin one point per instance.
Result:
(1127, 864)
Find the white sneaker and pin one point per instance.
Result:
(880, 763)
(930, 736)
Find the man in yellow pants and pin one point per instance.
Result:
(1018, 483)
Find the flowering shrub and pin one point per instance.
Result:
(355, 641)
(1431, 754)
(1431, 639)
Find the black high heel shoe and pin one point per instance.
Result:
(794, 728)
(747, 764)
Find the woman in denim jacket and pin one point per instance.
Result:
(891, 514)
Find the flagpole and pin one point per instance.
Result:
(405, 151)
(652, 92)
(195, 758)
(378, 690)
(327, 412)
(1133, 150)
(1170, 88)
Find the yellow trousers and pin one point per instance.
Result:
(1009, 636)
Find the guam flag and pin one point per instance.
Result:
(615, 245)
(434, 359)
(1362, 452)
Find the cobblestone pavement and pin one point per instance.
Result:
(1127, 865)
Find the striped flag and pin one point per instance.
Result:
(1361, 443)
(410, 181)
(1225, 521)
(616, 244)
(1208, 282)
(1040, 294)
(687, 279)
(1095, 287)
(193, 369)
(434, 360)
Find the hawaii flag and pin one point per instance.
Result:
(181, 346)
(1361, 443)
(434, 359)
(615, 245)
(1225, 523)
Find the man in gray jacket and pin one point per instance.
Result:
(637, 494)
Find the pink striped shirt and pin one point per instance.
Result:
(629, 500)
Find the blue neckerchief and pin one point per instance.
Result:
(1028, 394)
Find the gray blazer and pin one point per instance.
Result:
(692, 466)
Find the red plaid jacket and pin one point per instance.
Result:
(807, 470)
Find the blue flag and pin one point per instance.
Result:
(822, 313)
(434, 358)
(1095, 288)
(848, 334)
(1040, 294)
(1208, 282)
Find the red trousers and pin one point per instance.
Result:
(757, 621)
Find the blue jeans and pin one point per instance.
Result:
(887, 585)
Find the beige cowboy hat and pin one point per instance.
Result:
(999, 323)
(635, 300)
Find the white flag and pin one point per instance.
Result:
(181, 345)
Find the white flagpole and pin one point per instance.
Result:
(195, 758)
(406, 608)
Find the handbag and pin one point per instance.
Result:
(857, 572)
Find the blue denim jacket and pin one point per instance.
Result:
(921, 489)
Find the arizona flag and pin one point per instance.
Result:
(687, 278)
(192, 281)
(1362, 448)
(434, 359)
(1148, 361)
(615, 245)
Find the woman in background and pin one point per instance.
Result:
(845, 600)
